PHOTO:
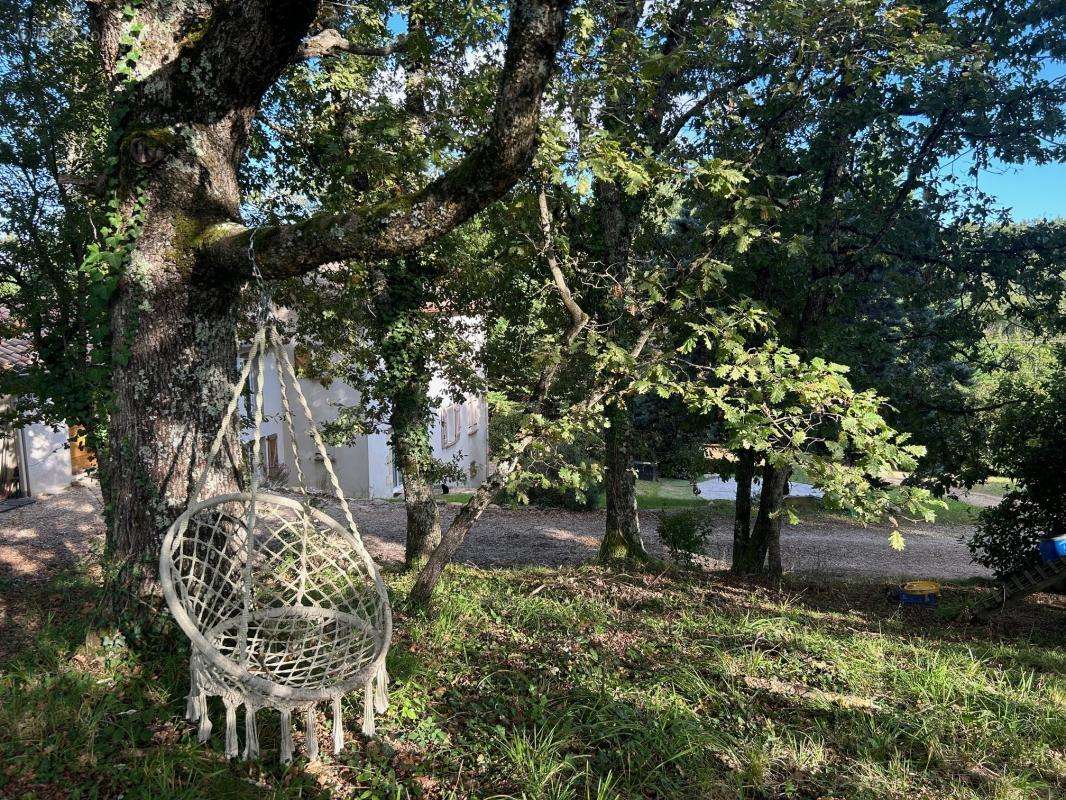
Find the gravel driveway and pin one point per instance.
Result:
(59, 530)
(552, 537)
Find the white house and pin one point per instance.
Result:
(36, 459)
(41, 459)
(367, 469)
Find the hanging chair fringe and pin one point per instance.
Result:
(205, 720)
(381, 691)
(251, 734)
(338, 727)
(231, 728)
(368, 710)
(311, 739)
(192, 705)
(285, 749)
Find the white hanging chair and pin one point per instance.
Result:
(282, 603)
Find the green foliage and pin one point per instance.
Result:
(1029, 440)
(806, 416)
(1007, 536)
(866, 251)
(685, 533)
(62, 255)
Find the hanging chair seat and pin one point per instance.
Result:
(316, 623)
(282, 604)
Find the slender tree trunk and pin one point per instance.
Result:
(621, 538)
(410, 441)
(430, 574)
(763, 551)
(742, 517)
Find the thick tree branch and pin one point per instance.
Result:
(330, 42)
(405, 224)
(243, 47)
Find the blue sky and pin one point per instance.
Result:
(1030, 191)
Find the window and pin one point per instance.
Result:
(450, 420)
(473, 414)
(269, 453)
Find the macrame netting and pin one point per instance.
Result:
(283, 605)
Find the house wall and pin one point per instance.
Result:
(45, 459)
(379, 455)
(365, 469)
(470, 451)
(350, 463)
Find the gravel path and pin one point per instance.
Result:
(54, 532)
(36, 540)
(552, 537)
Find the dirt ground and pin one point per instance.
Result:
(37, 541)
(551, 537)
(59, 530)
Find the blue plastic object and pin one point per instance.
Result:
(919, 593)
(1053, 549)
(908, 599)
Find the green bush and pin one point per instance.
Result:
(685, 533)
(1007, 535)
(1029, 438)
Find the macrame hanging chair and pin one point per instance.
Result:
(284, 607)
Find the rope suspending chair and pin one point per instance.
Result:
(283, 605)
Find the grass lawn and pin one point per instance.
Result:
(582, 684)
(665, 493)
(995, 485)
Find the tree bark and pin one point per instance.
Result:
(762, 554)
(410, 442)
(742, 515)
(621, 538)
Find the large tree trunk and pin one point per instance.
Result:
(621, 538)
(410, 442)
(173, 319)
(174, 338)
(762, 553)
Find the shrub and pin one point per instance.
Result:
(1007, 535)
(1029, 439)
(685, 533)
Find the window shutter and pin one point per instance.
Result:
(81, 457)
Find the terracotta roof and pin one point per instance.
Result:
(15, 353)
